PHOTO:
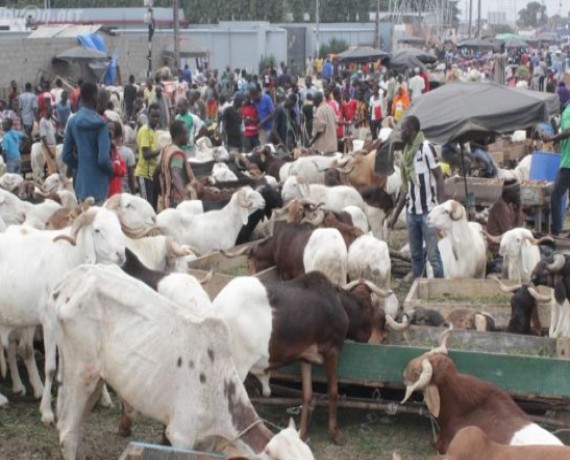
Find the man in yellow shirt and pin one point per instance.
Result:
(149, 150)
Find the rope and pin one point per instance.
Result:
(240, 434)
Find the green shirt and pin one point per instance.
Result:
(189, 122)
(565, 144)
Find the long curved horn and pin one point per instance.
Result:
(237, 253)
(84, 219)
(492, 238)
(422, 382)
(316, 220)
(90, 201)
(536, 242)
(176, 250)
(377, 290)
(137, 234)
(504, 287)
(282, 211)
(457, 211)
(345, 171)
(395, 326)
(206, 278)
(443, 338)
(558, 264)
(538, 296)
(352, 284)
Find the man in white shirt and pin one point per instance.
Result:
(417, 85)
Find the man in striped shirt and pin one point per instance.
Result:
(422, 189)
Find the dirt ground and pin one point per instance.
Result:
(370, 435)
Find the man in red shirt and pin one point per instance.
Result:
(348, 111)
(45, 99)
(75, 96)
(250, 120)
(424, 75)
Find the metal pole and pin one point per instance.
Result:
(377, 26)
(470, 16)
(150, 34)
(318, 28)
(176, 35)
(478, 18)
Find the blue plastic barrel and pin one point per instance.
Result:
(544, 166)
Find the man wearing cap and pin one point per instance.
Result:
(562, 182)
(506, 213)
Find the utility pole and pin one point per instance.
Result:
(478, 18)
(377, 26)
(176, 27)
(318, 28)
(470, 16)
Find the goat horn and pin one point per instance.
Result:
(352, 284)
(504, 287)
(84, 219)
(346, 170)
(538, 296)
(207, 278)
(175, 249)
(422, 382)
(90, 201)
(537, 242)
(137, 234)
(237, 160)
(283, 210)
(237, 253)
(492, 238)
(395, 326)
(456, 209)
(377, 290)
(556, 266)
(443, 338)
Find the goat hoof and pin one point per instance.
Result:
(338, 438)
(48, 419)
(20, 391)
(3, 401)
(125, 432)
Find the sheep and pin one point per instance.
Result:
(161, 253)
(11, 181)
(359, 218)
(326, 252)
(520, 253)
(463, 250)
(221, 173)
(369, 258)
(213, 230)
(32, 263)
(134, 213)
(38, 161)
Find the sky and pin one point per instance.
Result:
(510, 6)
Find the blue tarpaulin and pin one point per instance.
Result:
(96, 41)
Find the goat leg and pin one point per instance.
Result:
(307, 380)
(331, 364)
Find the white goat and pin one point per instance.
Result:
(464, 249)
(181, 362)
(520, 254)
(326, 252)
(11, 181)
(37, 215)
(33, 262)
(221, 172)
(359, 218)
(38, 161)
(134, 212)
(369, 258)
(161, 253)
(310, 169)
(213, 230)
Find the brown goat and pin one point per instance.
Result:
(458, 400)
(471, 443)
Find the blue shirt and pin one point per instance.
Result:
(327, 70)
(264, 108)
(11, 144)
(187, 75)
(62, 112)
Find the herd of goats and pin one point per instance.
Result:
(110, 287)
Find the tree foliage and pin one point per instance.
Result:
(534, 15)
(333, 47)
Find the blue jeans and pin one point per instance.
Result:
(14, 166)
(418, 232)
(483, 157)
(561, 185)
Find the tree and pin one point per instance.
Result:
(533, 15)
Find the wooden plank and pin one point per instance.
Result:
(520, 375)
(445, 295)
(142, 451)
(490, 342)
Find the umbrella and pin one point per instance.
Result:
(516, 43)
(463, 111)
(401, 62)
(362, 54)
(80, 53)
(480, 44)
(422, 56)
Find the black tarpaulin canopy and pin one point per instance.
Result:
(412, 40)
(464, 111)
(420, 55)
(476, 43)
(362, 54)
(402, 62)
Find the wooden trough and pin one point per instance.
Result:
(484, 295)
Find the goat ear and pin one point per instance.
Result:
(292, 423)
(244, 213)
(432, 399)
